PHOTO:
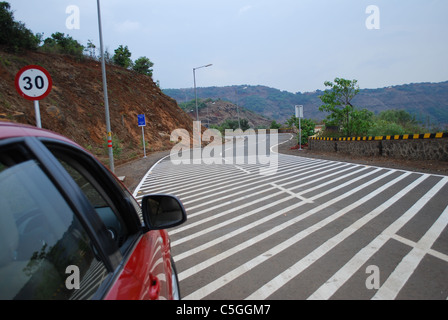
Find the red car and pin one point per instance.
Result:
(70, 230)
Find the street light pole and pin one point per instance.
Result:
(106, 98)
(237, 108)
(195, 92)
(299, 114)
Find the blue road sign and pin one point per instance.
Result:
(141, 120)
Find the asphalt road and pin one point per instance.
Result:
(263, 225)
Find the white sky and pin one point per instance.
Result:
(292, 45)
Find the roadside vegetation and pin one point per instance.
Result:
(16, 38)
(229, 124)
(346, 120)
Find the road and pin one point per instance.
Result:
(289, 227)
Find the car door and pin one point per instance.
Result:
(47, 249)
(145, 256)
(68, 230)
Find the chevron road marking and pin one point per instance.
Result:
(233, 210)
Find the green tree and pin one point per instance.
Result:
(394, 122)
(229, 124)
(91, 49)
(275, 125)
(361, 122)
(14, 35)
(342, 114)
(61, 43)
(122, 57)
(383, 127)
(244, 124)
(307, 126)
(402, 118)
(143, 65)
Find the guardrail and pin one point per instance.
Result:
(388, 137)
(427, 146)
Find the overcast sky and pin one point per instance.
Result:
(292, 45)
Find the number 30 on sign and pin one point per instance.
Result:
(33, 82)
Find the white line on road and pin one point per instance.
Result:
(284, 277)
(395, 282)
(231, 194)
(296, 195)
(343, 274)
(218, 283)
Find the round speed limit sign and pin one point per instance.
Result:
(33, 82)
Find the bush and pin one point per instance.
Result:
(143, 65)
(275, 125)
(122, 57)
(61, 43)
(394, 122)
(14, 35)
(386, 128)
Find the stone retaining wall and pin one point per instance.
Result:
(415, 147)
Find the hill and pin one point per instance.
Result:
(215, 112)
(75, 106)
(428, 102)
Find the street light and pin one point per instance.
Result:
(237, 108)
(106, 99)
(195, 93)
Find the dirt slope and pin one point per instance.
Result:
(75, 106)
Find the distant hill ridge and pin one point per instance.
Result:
(428, 102)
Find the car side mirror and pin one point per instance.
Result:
(161, 211)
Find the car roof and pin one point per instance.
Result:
(14, 130)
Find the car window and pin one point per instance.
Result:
(45, 253)
(103, 195)
(133, 202)
(116, 228)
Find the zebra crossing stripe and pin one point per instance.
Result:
(340, 277)
(218, 283)
(280, 280)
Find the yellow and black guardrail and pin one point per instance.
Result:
(387, 137)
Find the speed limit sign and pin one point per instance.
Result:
(33, 82)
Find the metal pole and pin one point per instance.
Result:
(143, 137)
(37, 111)
(195, 91)
(299, 114)
(195, 94)
(237, 109)
(106, 98)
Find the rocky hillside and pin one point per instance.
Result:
(75, 106)
(218, 111)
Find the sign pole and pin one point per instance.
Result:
(299, 114)
(143, 138)
(141, 119)
(37, 110)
